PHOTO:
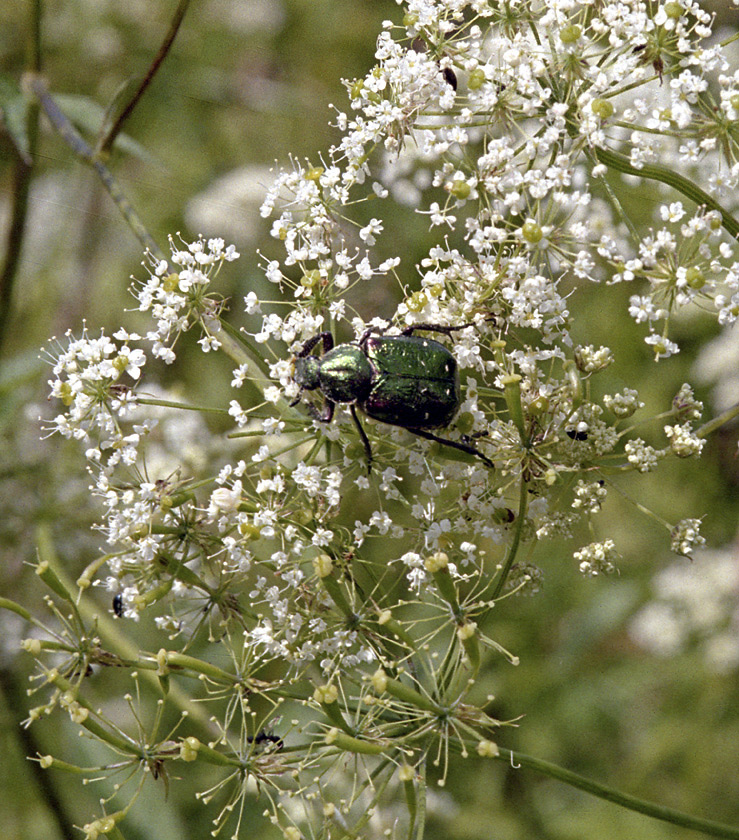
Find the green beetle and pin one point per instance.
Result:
(404, 380)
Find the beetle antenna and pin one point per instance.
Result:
(363, 435)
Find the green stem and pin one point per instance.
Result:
(112, 634)
(251, 348)
(78, 145)
(712, 425)
(7, 604)
(658, 812)
(348, 743)
(335, 592)
(523, 501)
(655, 172)
(105, 143)
(184, 406)
(21, 185)
(14, 238)
(421, 802)
(176, 660)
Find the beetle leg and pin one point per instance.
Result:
(324, 416)
(473, 436)
(325, 337)
(464, 447)
(327, 415)
(434, 328)
(365, 335)
(363, 435)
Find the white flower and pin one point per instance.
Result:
(597, 558)
(683, 440)
(225, 500)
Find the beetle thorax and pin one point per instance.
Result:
(306, 372)
(345, 374)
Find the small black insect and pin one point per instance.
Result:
(262, 738)
(574, 434)
(450, 77)
(118, 605)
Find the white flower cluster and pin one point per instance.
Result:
(176, 293)
(685, 537)
(330, 512)
(624, 404)
(589, 495)
(683, 440)
(597, 558)
(434, 119)
(641, 455)
(90, 383)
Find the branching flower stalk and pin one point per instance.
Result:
(337, 619)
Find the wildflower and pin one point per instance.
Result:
(597, 558)
(641, 455)
(298, 560)
(683, 441)
(685, 537)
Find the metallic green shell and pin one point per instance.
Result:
(415, 382)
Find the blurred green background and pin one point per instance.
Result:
(248, 83)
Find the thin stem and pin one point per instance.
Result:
(77, 143)
(112, 633)
(624, 216)
(658, 812)
(712, 425)
(421, 801)
(106, 141)
(655, 172)
(183, 406)
(14, 242)
(639, 83)
(21, 184)
(253, 352)
(523, 500)
(35, 36)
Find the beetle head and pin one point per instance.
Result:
(306, 372)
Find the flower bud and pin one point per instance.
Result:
(406, 772)
(602, 108)
(326, 694)
(323, 565)
(379, 681)
(436, 562)
(532, 232)
(487, 749)
(570, 34)
(476, 79)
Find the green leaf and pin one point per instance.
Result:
(89, 116)
(116, 106)
(14, 108)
